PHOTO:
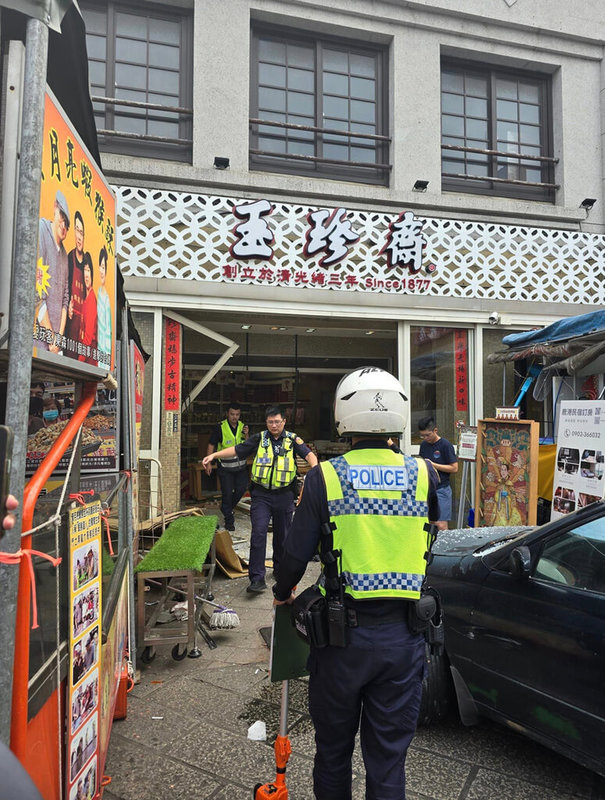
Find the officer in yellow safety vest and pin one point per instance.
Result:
(272, 488)
(232, 472)
(365, 512)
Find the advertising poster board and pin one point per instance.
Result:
(84, 650)
(507, 472)
(467, 442)
(75, 318)
(100, 437)
(580, 458)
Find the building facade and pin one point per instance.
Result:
(310, 187)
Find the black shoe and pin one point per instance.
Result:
(256, 587)
(230, 526)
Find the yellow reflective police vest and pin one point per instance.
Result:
(378, 500)
(274, 472)
(229, 439)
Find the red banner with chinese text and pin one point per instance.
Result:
(461, 369)
(172, 365)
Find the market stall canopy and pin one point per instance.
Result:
(577, 341)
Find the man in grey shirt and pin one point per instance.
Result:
(51, 312)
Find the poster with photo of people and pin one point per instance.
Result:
(85, 647)
(580, 459)
(75, 292)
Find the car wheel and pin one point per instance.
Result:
(437, 688)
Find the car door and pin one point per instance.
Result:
(539, 642)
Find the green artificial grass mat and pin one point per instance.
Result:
(183, 545)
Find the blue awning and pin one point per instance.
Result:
(568, 328)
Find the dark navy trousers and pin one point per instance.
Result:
(265, 506)
(234, 483)
(374, 685)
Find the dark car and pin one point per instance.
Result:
(524, 624)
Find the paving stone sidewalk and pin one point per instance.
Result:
(185, 735)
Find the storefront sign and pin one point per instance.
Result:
(461, 367)
(580, 463)
(99, 437)
(172, 365)
(84, 649)
(75, 315)
(328, 240)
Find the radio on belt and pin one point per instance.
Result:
(378, 477)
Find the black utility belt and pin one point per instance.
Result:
(356, 618)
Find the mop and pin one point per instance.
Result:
(221, 617)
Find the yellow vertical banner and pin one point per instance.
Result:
(84, 648)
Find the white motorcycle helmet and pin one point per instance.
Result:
(370, 400)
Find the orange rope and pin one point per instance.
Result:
(105, 515)
(16, 558)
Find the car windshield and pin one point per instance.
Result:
(575, 557)
(494, 546)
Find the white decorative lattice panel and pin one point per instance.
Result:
(167, 234)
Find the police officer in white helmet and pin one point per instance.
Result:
(366, 513)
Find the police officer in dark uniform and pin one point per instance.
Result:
(232, 472)
(272, 489)
(373, 504)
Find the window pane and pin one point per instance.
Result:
(450, 165)
(130, 124)
(476, 129)
(296, 120)
(366, 154)
(336, 107)
(269, 50)
(301, 148)
(452, 82)
(453, 140)
(96, 74)
(533, 174)
(476, 85)
(365, 66)
(482, 144)
(95, 21)
(131, 51)
(300, 56)
(299, 103)
(476, 107)
(508, 131)
(363, 88)
(271, 99)
(335, 60)
(472, 168)
(163, 128)
(161, 55)
(132, 77)
(132, 94)
(530, 134)
(163, 30)
(505, 109)
(528, 113)
(302, 79)
(363, 112)
(131, 25)
(506, 89)
(273, 145)
(336, 151)
(96, 46)
(452, 104)
(529, 93)
(336, 84)
(163, 81)
(452, 126)
(272, 75)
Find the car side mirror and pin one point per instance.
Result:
(520, 562)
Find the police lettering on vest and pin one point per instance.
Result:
(375, 477)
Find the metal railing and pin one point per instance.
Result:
(147, 137)
(379, 139)
(494, 155)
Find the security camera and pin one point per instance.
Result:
(494, 318)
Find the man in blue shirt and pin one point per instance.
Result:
(441, 454)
